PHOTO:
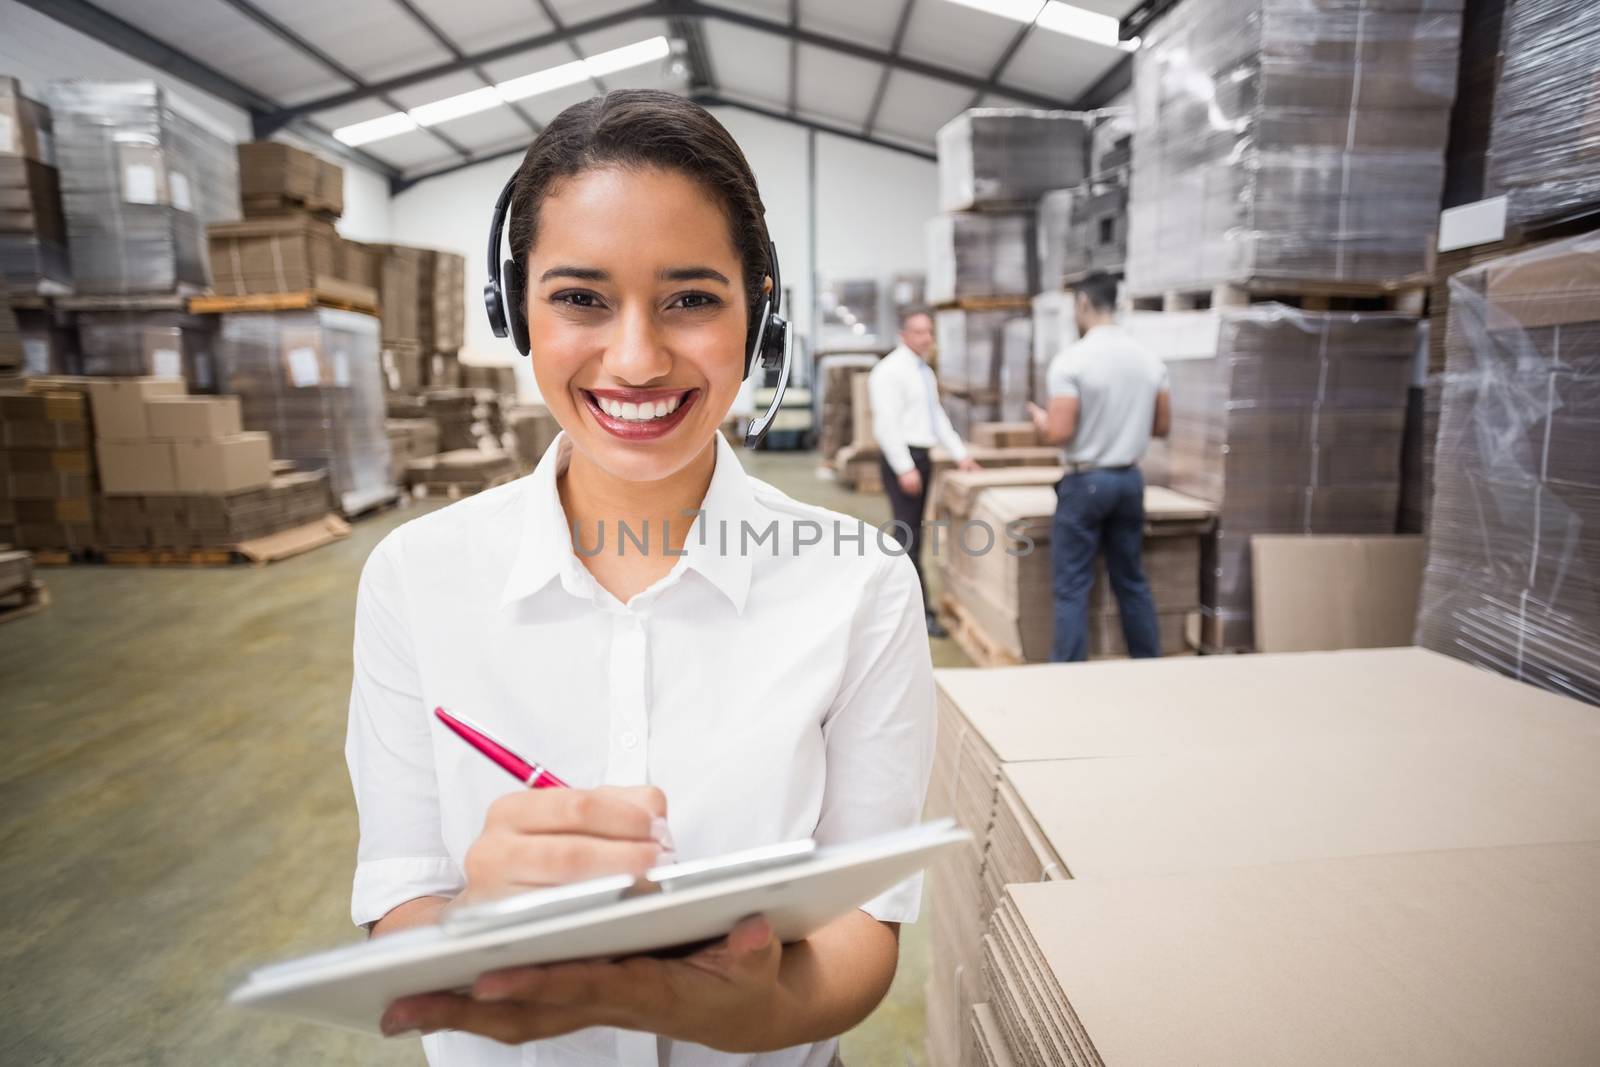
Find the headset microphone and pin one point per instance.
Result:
(768, 343)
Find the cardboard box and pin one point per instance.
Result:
(136, 467)
(44, 485)
(242, 461)
(46, 461)
(193, 418)
(119, 406)
(1325, 593)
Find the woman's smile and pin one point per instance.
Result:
(639, 414)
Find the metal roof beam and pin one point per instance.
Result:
(656, 8)
(883, 75)
(109, 30)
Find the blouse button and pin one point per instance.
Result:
(630, 740)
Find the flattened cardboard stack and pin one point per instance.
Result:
(454, 411)
(1082, 229)
(214, 520)
(998, 157)
(1097, 772)
(423, 298)
(311, 379)
(129, 343)
(974, 357)
(464, 470)
(410, 439)
(838, 403)
(1512, 580)
(1544, 139)
(1277, 140)
(981, 254)
(290, 254)
(46, 470)
(280, 179)
(1470, 956)
(996, 562)
(33, 230)
(139, 182)
(1293, 426)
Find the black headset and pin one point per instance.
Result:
(505, 299)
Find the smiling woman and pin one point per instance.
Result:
(609, 615)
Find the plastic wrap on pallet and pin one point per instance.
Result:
(1008, 157)
(980, 255)
(166, 344)
(1082, 230)
(1512, 580)
(139, 182)
(1018, 371)
(312, 379)
(1294, 426)
(1544, 144)
(1290, 139)
(971, 350)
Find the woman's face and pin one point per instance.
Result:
(636, 317)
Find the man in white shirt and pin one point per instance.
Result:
(1108, 397)
(908, 420)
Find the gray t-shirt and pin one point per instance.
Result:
(1116, 382)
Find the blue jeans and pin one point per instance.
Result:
(1095, 509)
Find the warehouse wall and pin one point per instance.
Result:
(38, 50)
(871, 208)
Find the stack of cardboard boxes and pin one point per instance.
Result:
(983, 254)
(33, 231)
(46, 470)
(151, 438)
(422, 297)
(1187, 856)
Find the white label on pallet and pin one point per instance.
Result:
(166, 363)
(341, 368)
(304, 369)
(1472, 224)
(180, 191)
(35, 356)
(139, 184)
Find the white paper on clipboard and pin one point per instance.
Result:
(349, 988)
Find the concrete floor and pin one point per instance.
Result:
(177, 808)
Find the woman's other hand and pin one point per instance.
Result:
(727, 996)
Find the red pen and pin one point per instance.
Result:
(531, 775)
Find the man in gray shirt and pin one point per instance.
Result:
(1108, 397)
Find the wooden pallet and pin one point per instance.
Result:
(986, 303)
(258, 552)
(23, 601)
(178, 301)
(457, 490)
(1409, 296)
(171, 557)
(344, 297)
(61, 557)
(982, 649)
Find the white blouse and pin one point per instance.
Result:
(777, 692)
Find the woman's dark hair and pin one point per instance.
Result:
(644, 128)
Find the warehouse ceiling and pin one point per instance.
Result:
(417, 88)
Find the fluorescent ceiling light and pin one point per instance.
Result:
(453, 107)
(1058, 17)
(391, 125)
(544, 81)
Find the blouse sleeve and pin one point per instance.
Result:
(879, 733)
(401, 855)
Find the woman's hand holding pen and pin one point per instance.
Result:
(727, 996)
(544, 837)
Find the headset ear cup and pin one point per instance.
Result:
(516, 309)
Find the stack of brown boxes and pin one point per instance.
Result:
(280, 179)
(33, 231)
(465, 470)
(287, 242)
(46, 470)
(453, 410)
(410, 439)
(532, 430)
(422, 305)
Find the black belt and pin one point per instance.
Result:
(1085, 468)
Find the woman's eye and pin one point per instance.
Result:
(577, 298)
(692, 301)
